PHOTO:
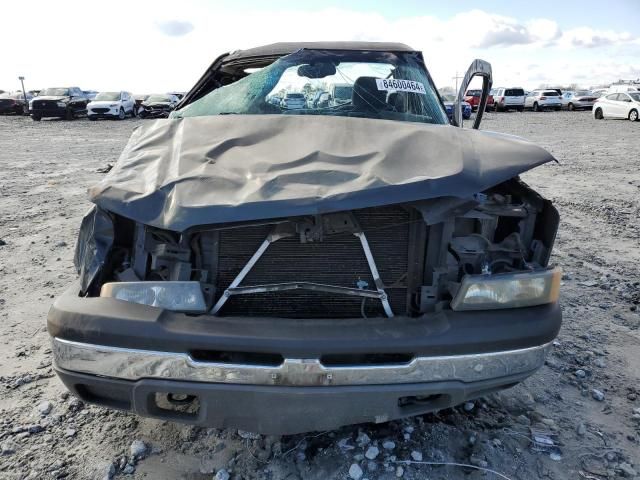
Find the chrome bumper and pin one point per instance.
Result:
(132, 364)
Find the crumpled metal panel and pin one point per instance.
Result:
(179, 173)
(94, 243)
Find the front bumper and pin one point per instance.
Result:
(112, 113)
(49, 112)
(124, 355)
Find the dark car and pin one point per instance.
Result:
(449, 105)
(64, 102)
(282, 271)
(14, 103)
(157, 106)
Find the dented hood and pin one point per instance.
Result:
(179, 173)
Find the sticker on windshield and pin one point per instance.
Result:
(397, 85)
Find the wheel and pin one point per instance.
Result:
(536, 107)
(598, 114)
(121, 114)
(633, 115)
(36, 118)
(69, 114)
(571, 107)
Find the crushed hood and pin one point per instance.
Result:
(179, 173)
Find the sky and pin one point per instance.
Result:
(160, 46)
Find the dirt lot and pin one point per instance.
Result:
(574, 419)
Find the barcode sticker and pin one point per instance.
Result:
(397, 85)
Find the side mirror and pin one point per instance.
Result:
(482, 69)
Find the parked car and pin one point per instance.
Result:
(178, 95)
(14, 103)
(157, 106)
(579, 100)
(617, 105)
(449, 104)
(293, 101)
(111, 105)
(65, 102)
(139, 98)
(340, 94)
(90, 94)
(538, 100)
(508, 99)
(472, 97)
(244, 267)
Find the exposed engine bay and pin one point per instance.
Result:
(403, 259)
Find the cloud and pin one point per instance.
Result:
(585, 37)
(449, 44)
(175, 28)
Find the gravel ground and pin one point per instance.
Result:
(574, 419)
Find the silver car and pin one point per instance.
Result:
(293, 101)
(581, 99)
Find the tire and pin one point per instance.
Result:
(36, 118)
(557, 109)
(633, 115)
(520, 109)
(69, 114)
(536, 107)
(598, 114)
(121, 114)
(93, 118)
(571, 107)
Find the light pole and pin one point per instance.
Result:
(24, 94)
(456, 78)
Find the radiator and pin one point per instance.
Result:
(337, 260)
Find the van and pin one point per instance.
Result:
(624, 88)
(508, 99)
(340, 94)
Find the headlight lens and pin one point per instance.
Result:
(510, 290)
(177, 296)
(62, 104)
(113, 105)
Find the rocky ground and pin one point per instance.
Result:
(578, 418)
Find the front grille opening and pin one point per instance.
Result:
(357, 359)
(243, 358)
(178, 404)
(420, 400)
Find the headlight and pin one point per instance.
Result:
(509, 290)
(113, 105)
(177, 296)
(61, 104)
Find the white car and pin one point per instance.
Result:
(618, 105)
(538, 100)
(111, 105)
(293, 101)
(508, 99)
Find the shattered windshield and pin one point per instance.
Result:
(380, 85)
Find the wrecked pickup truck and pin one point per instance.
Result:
(284, 270)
